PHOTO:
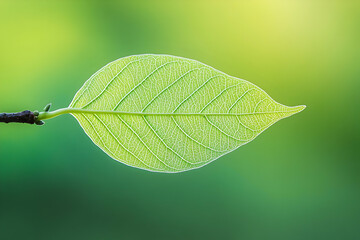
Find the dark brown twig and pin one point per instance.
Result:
(20, 117)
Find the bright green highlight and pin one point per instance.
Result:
(170, 114)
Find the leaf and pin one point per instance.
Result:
(170, 114)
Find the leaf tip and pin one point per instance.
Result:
(297, 109)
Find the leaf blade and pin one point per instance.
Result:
(173, 114)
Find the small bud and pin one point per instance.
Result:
(40, 123)
(47, 107)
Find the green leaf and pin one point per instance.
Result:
(170, 114)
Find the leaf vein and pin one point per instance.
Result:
(212, 100)
(137, 85)
(134, 132)
(96, 132)
(223, 132)
(178, 106)
(242, 96)
(177, 154)
(117, 140)
(167, 87)
(194, 140)
(111, 80)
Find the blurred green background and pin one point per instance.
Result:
(298, 180)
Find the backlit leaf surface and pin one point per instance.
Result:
(170, 114)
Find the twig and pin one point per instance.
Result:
(20, 117)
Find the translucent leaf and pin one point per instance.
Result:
(170, 114)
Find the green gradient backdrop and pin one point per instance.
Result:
(298, 180)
